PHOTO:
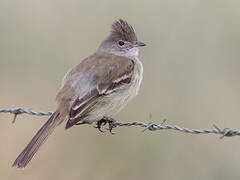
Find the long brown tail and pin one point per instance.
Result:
(29, 151)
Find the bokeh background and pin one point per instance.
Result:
(191, 78)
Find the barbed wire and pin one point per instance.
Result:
(151, 126)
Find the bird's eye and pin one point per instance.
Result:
(121, 43)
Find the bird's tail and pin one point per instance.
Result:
(29, 151)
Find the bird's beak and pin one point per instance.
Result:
(139, 44)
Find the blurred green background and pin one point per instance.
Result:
(191, 78)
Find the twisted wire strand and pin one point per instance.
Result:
(151, 126)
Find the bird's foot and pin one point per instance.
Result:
(104, 121)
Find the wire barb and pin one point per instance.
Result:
(17, 111)
(151, 126)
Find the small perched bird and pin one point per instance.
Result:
(96, 89)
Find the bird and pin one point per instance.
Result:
(96, 89)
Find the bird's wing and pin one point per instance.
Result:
(108, 77)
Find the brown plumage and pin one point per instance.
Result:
(122, 30)
(109, 75)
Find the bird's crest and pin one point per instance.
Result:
(122, 30)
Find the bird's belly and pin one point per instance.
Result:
(114, 102)
(121, 98)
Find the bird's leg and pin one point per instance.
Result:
(111, 124)
(101, 123)
(104, 121)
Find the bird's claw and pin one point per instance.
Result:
(103, 122)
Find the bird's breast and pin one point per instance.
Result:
(123, 95)
(137, 75)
